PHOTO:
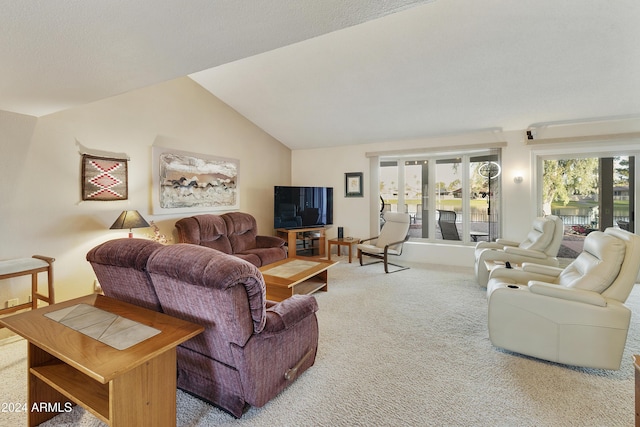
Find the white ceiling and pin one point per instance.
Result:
(334, 72)
(64, 53)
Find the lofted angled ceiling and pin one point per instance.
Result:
(64, 53)
(335, 72)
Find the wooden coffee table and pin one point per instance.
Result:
(135, 386)
(297, 275)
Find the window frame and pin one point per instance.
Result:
(433, 157)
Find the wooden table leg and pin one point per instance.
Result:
(44, 402)
(146, 395)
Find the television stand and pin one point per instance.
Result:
(295, 234)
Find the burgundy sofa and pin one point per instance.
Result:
(233, 233)
(121, 268)
(251, 348)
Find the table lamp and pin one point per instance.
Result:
(129, 219)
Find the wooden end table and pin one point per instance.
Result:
(29, 266)
(342, 241)
(131, 387)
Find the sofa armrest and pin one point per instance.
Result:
(287, 313)
(269, 303)
(518, 275)
(269, 242)
(547, 270)
(569, 294)
(524, 252)
(505, 242)
(488, 245)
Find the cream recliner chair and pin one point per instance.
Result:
(541, 247)
(389, 242)
(574, 316)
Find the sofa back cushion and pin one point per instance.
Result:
(120, 266)
(241, 230)
(221, 292)
(204, 230)
(540, 235)
(597, 266)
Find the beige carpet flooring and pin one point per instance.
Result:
(406, 349)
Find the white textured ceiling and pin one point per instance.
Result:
(57, 54)
(316, 73)
(450, 66)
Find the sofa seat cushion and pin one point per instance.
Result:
(250, 257)
(264, 255)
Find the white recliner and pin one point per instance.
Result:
(575, 316)
(541, 247)
(389, 242)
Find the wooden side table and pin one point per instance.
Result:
(29, 266)
(135, 386)
(342, 241)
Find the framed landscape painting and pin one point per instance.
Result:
(186, 182)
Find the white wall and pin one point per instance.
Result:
(41, 208)
(327, 167)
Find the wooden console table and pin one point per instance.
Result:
(131, 387)
(29, 266)
(291, 236)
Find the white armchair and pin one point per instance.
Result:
(541, 247)
(574, 316)
(389, 242)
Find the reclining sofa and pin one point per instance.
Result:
(251, 348)
(574, 315)
(541, 246)
(234, 233)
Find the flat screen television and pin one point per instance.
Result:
(299, 207)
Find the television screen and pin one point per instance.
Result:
(299, 207)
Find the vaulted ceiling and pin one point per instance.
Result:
(334, 72)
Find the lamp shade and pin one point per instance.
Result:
(129, 219)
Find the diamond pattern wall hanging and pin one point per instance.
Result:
(104, 178)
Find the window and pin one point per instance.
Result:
(588, 193)
(462, 204)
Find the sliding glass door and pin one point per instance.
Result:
(453, 198)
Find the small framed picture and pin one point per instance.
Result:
(353, 184)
